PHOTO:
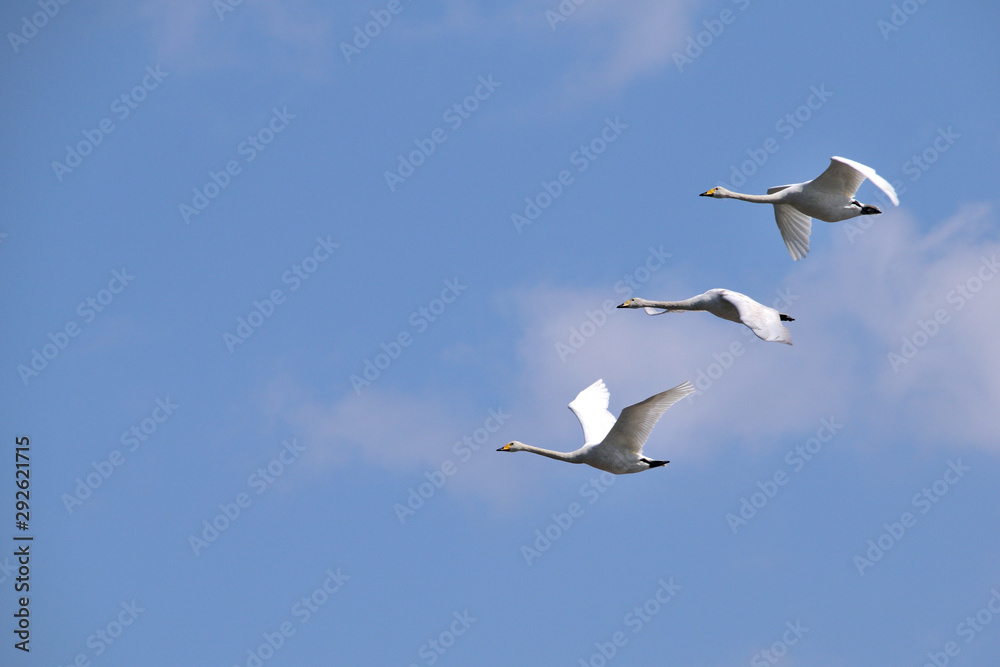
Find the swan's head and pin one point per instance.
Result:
(512, 447)
(718, 193)
(629, 304)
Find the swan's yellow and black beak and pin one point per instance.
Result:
(505, 448)
(626, 304)
(708, 194)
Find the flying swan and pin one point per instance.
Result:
(611, 445)
(828, 197)
(733, 306)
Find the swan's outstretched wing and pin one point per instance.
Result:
(870, 174)
(845, 176)
(636, 422)
(591, 407)
(763, 321)
(795, 227)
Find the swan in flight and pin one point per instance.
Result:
(611, 445)
(828, 197)
(733, 306)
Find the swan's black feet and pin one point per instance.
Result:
(654, 464)
(786, 318)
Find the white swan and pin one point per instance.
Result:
(828, 197)
(733, 306)
(612, 445)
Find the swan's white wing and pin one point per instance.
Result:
(763, 321)
(840, 178)
(795, 227)
(777, 188)
(591, 407)
(870, 174)
(844, 177)
(636, 421)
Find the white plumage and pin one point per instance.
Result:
(612, 445)
(828, 197)
(765, 322)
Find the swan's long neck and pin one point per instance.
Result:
(756, 199)
(569, 457)
(686, 304)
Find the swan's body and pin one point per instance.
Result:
(733, 306)
(612, 445)
(828, 197)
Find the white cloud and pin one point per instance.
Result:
(944, 385)
(189, 34)
(856, 303)
(852, 303)
(601, 45)
(386, 429)
(623, 41)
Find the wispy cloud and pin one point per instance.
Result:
(191, 34)
(385, 429)
(602, 45)
(853, 304)
(619, 42)
(884, 329)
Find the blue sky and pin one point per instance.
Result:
(263, 381)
